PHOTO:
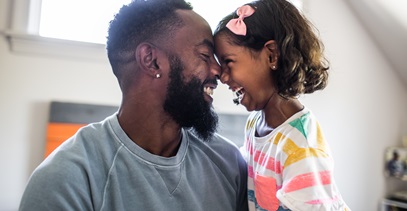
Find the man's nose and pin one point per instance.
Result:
(215, 69)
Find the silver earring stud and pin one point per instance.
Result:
(273, 67)
(158, 75)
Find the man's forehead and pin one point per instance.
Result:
(189, 15)
(206, 43)
(195, 30)
(193, 20)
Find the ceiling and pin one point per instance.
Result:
(386, 21)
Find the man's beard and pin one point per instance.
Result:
(186, 104)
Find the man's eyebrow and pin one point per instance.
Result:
(207, 43)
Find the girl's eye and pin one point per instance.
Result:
(225, 64)
(227, 61)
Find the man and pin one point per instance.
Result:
(160, 151)
(395, 166)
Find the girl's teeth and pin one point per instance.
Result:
(239, 92)
(239, 96)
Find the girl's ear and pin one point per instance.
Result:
(272, 53)
(146, 56)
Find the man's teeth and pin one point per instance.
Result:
(208, 90)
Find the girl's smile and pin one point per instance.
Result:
(247, 73)
(239, 95)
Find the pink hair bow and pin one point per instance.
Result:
(237, 25)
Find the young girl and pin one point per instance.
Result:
(270, 55)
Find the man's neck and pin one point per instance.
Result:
(151, 129)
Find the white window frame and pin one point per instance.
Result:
(20, 26)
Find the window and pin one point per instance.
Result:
(89, 21)
(81, 20)
(78, 28)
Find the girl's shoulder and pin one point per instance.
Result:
(251, 120)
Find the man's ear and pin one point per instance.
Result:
(272, 53)
(146, 57)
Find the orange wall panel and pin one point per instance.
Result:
(58, 133)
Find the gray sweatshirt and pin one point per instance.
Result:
(100, 168)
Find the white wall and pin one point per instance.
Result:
(362, 111)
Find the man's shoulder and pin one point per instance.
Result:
(216, 142)
(218, 149)
(83, 149)
(92, 136)
(85, 137)
(224, 141)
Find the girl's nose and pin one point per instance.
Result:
(224, 77)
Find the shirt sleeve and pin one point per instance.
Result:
(57, 185)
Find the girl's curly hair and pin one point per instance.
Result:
(302, 67)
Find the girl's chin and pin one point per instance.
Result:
(248, 108)
(244, 103)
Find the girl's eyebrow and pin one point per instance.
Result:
(227, 55)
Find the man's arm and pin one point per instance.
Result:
(57, 185)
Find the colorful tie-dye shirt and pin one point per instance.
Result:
(291, 167)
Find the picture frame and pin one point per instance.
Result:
(396, 162)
